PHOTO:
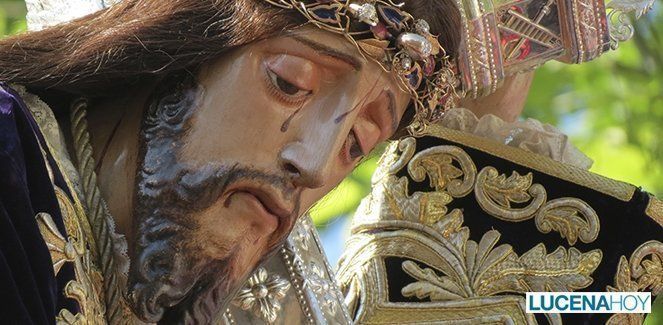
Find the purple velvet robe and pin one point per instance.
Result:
(30, 292)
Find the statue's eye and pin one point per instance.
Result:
(354, 148)
(286, 87)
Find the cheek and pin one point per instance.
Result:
(235, 113)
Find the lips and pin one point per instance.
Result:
(269, 202)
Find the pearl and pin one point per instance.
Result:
(417, 46)
(422, 26)
(406, 63)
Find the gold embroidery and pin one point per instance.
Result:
(495, 193)
(565, 216)
(655, 209)
(69, 215)
(436, 162)
(55, 242)
(85, 288)
(616, 189)
(461, 280)
(639, 274)
(488, 270)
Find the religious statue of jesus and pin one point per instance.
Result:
(198, 130)
(154, 152)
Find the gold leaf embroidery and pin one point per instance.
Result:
(488, 269)
(54, 240)
(86, 286)
(496, 193)
(451, 270)
(430, 285)
(653, 275)
(655, 209)
(437, 163)
(638, 274)
(565, 216)
(536, 270)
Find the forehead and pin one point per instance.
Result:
(324, 40)
(327, 45)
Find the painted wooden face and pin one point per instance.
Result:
(230, 162)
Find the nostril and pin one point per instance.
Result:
(290, 168)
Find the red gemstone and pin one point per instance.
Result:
(380, 31)
(429, 66)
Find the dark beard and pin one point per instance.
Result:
(167, 279)
(170, 282)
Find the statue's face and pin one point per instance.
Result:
(231, 161)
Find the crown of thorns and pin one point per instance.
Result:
(399, 43)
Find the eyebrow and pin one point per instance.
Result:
(330, 52)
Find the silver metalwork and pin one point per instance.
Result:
(365, 12)
(313, 297)
(262, 294)
(621, 28)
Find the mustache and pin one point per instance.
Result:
(167, 278)
(198, 189)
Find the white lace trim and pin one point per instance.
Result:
(530, 135)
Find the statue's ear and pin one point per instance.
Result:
(172, 100)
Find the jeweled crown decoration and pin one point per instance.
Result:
(397, 41)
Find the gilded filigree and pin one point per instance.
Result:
(437, 163)
(621, 28)
(87, 283)
(574, 219)
(487, 269)
(262, 293)
(499, 195)
(639, 274)
(451, 272)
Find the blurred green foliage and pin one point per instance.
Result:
(612, 109)
(12, 17)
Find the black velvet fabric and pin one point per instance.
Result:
(623, 225)
(30, 293)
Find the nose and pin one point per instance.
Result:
(301, 166)
(310, 156)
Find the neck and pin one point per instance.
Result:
(114, 126)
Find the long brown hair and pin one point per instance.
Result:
(139, 39)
